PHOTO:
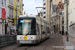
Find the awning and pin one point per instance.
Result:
(54, 14)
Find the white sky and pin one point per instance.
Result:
(30, 6)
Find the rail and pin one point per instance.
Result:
(7, 40)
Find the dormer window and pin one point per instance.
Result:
(60, 6)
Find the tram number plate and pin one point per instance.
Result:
(25, 37)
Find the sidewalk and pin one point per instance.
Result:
(69, 45)
(71, 39)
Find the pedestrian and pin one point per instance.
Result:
(12, 32)
(15, 32)
(60, 32)
(8, 33)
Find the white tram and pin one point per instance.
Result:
(32, 30)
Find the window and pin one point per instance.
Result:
(12, 13)
(47, 30)
(5, 3)
(37, 28)
(18, 0)
(60, 6)
(11, 2)
(2, 1)
(38, 31)
(43, 29)
(65, 1)
(60, 13)
(27, 28)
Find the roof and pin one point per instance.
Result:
(59, 4)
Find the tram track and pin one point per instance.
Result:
(58, 44)
(61, 47)
(16, 48)
(48, 44)
(21, 47)
(27, 48)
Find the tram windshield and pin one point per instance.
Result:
(26, 27)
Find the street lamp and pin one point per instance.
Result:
(66, 2)
(67, 20)
(40, 11)
(39, 7)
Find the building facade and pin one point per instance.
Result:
(46, 9)
(13, 8)
(71, 18)
(49, 6)
(57, 19)
(54, 3)
(2, 15)
(65, 28)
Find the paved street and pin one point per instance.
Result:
(35, 20)
(53, 43)
(71, 39)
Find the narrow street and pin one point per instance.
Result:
(55, 42)
(24, 23)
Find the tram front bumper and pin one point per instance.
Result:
(27, 41)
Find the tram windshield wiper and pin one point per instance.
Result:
(30, 33)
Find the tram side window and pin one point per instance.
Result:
(48, 30)
(43, 31)
(33, 27)
(38, 29)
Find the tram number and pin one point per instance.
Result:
(25, 37)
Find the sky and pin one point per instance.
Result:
(30, 6)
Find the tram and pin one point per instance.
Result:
(32, 30)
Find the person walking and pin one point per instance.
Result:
(12, 32)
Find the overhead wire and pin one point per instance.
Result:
(36, 3)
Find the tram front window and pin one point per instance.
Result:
(26, 28)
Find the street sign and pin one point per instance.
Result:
(0, 13)
(3, 13)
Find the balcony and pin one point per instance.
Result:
(44, 14)
(44, 1)
(44, 6)
(65, 1)
(44, 10)
(22, 5)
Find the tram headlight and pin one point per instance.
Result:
(32, 37)
(18, 41)
(32, 41)
(18, 37)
